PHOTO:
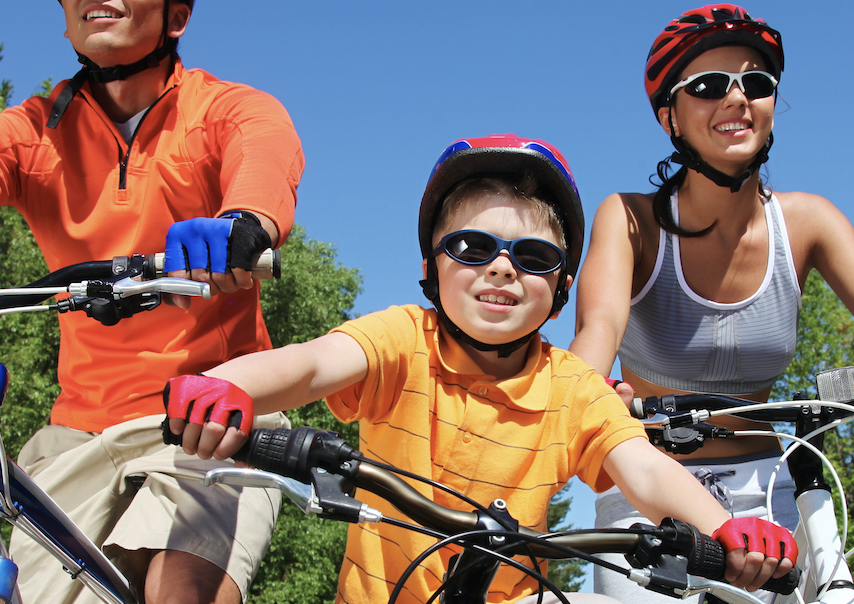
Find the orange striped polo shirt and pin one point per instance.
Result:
(426, 407)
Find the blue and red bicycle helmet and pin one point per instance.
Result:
(503, 155)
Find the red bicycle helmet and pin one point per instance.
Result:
(508, 154)
(699, 30)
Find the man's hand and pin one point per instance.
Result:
(214, 415)
(756, 551)
(218, 251)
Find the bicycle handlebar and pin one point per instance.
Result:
(334, 470)
(111, 290)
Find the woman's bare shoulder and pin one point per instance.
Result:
(807, 208)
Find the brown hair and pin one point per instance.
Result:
(525, 191)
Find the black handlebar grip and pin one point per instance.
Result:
(708, 559)
(266, 450)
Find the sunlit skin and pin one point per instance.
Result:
(118, 32)
(706, 124)
(527, 299)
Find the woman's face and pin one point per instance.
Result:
(727, 132)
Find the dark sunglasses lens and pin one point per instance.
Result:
(536, 256)
(757, 86)
(709, 86)
(471, 247)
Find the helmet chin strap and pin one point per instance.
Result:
(430, 287)
(95, 73)
(689, 158)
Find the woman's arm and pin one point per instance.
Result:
(821, 238)
(605, 284)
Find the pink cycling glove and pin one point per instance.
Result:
(198, 399)
(757, 535)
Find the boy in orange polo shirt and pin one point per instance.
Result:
(467, 393)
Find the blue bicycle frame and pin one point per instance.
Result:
(28, 508)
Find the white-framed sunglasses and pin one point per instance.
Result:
(716, 84)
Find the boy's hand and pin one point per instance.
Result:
(756, 551)
(214, 415)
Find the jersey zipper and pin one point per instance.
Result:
(125, 161)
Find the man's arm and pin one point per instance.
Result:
(260, 163)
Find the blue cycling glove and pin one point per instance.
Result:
(215, 244)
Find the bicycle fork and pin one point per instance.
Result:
(815, 505)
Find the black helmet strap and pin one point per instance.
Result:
(94, 73)
(689, 158)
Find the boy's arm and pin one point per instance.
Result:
(271, 380)
(658, 487)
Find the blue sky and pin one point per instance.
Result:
(378, 89)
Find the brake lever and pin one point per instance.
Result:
(127, 287)
(724, 591)
(298, 492)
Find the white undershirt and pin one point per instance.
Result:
(127, 128)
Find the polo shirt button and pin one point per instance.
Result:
(482, 390)
(466, 437)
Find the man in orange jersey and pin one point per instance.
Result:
(467, 393)
(133, 154)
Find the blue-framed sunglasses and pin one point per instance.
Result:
(476, 248)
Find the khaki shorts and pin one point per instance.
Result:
(127, 491)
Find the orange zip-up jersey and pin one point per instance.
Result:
(205, 146)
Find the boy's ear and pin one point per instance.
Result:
(424, 268)
(568, 285)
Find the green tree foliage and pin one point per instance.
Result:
(825, 341)
(30, 343)
(5, 87)
(313, 296)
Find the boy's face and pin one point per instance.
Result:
(495, 303)
(120, 32)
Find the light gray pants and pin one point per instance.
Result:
(743, 479)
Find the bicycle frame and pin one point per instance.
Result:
(24, 505)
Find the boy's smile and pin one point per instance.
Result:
(495, 303)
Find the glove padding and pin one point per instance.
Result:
(215, 244)
(198, 399)
(612, 382)
(757, 535)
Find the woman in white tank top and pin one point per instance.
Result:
(702, 277)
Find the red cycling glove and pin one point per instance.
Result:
(198, 399)
(757, 535)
